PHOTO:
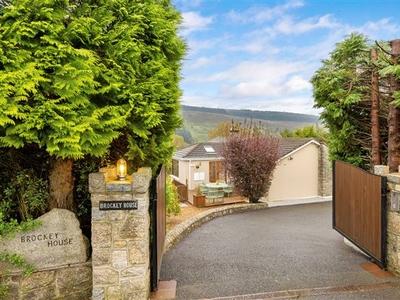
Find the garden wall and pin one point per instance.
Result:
(393, 218)
(68, 282)
(60, 254)
(119, 265)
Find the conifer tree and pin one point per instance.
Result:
(77, 76)
(342, 89)
(359, 96)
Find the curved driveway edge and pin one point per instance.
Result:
(175, 235)
(272, 253)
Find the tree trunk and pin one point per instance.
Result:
(393, 119)
(375, 142)
(61, 183)
(253, 200)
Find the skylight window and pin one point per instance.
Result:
(209, 149)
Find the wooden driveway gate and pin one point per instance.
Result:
(359, 209)
(158, 225)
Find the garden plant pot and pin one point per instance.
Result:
(199, 200)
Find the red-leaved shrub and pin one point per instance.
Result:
(251, 155)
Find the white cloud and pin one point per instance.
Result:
(381, 29)
(188, 4)
(204, 61)
(193, 21)
(288, 26)
(263, 56)
(197, 46)
(252, 47)
(260, 14)
(297, 83)
(269, 70)
(301, 104)
(262, 79)
(265, 88)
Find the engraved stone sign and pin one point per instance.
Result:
(57, 242)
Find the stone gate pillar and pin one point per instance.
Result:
(324, 172)
(120, 235)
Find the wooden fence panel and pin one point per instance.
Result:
(182, 191)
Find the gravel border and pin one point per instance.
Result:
(175, 235)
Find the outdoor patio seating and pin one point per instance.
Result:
(204, 189)
(215, 195)
(228, 190)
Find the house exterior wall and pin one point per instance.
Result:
(308, 174)
(193, 172)
(183, 172)
(296, 176)
(198, 172)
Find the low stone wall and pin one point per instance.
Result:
(69, 283)
(58, 251)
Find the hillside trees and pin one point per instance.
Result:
(251, 156)
(308, 131)
(79, 76)
(343, 87)
(222, 130)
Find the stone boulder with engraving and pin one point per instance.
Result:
(57, 242)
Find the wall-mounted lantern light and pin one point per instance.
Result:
(121, 169)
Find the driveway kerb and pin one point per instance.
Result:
(175, 235)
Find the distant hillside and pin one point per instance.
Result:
(254, 114)
(199, 120)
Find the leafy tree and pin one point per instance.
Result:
(77, 76)
(172, 198)
(222, 130)
(187, 136)
(225, 129)
(308, 131)
(179, 141)
(342, 89)
(251, 156)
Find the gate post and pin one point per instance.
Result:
(120, 235)
(393, 218)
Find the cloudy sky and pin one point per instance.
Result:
(261, 54)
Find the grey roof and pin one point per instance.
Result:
(288, 145)
(199, 152)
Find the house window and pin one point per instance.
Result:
(175, 167)
(199, 176)
(209, 149)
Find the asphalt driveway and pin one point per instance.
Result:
(265, 251)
